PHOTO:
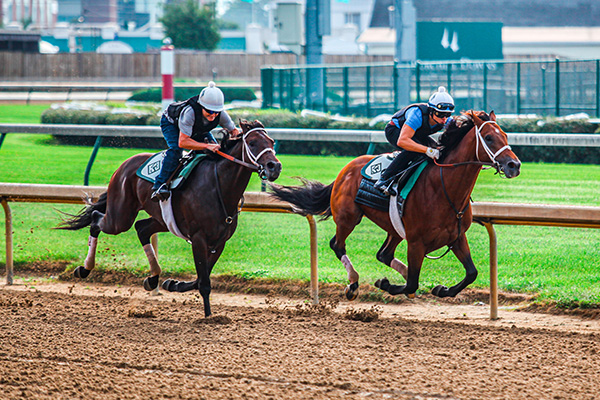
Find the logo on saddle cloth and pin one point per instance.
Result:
(151, 168)
(371, 197)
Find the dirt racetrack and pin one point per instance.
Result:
(91, 341)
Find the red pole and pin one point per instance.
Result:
(167, 69)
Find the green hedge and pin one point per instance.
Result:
(554, 154)
(276, 118)
(182, 93)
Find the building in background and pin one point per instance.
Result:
(446, 29)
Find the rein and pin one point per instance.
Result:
(235, 160)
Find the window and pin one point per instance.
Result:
(352, 18)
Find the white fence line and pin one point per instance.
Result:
(339, 135)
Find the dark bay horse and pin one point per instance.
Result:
(205, 209)
(437, 210)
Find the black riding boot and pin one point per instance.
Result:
(160, 190)
(387, 178)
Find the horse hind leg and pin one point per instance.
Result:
(416, 255)
(339, 248)
(145, 229)
(83, 271)
(386, 256)
(172, 285)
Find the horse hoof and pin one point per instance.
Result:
(410, 295)
(439, 291)
(351, 291)
(168, 284)
(81, 272)
(383, 284)
(151, 283)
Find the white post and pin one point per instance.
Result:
(167, 69)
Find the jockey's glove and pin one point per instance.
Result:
(433, 153)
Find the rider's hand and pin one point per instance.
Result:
(234, 133)
(433, 153)
(213, 147)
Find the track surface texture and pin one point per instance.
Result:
(62, 340)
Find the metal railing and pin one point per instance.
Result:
(372, 137)
(488, 214)
(549, 87)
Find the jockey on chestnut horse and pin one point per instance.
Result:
(437, 211)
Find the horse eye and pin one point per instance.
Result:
(489, 139)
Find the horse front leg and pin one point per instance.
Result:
(83, 271)
(416, 254)
(463, 253)
(204, 260)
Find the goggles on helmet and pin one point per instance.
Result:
(443, 107)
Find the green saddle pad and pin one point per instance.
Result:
(151, 168)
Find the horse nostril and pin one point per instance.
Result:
(274, 166)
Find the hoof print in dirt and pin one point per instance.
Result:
(216, 320)
(370, 315)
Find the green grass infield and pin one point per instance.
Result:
(558, 265)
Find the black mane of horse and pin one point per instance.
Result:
(456, 131)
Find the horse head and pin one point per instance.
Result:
(490, 141)
(257, 149)
(492, 144)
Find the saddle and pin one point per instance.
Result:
(405, 181)
(151, 168)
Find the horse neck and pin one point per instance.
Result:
(233, 178)
(460, 181)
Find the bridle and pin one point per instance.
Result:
(493, 163)
(486, 148)
(247, 153)
(253, 165)
(492, 156)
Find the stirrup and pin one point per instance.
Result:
(161, 194)
(386, 187)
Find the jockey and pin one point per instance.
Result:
(187, 125)
(409, 130)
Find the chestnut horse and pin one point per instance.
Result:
(205, 209)
(437, 210)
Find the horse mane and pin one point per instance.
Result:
(457, 130)
(227, 143)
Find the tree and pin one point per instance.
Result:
(191, 27)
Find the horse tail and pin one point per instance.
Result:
(84, 217)
(311, 197)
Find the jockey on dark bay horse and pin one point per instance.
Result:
(409, 131)
(187, 125)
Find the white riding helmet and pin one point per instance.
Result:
(441, 101)
(212, 98)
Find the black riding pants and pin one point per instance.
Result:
(392, 133)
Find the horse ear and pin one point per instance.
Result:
(492, 115)
(474, 117)
(244, 125)
(258, 124)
